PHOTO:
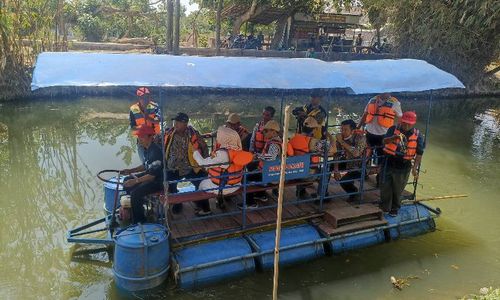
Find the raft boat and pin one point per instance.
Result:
(197, 251)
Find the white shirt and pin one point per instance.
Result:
(221, 159)
(374, 127)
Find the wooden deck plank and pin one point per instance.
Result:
(329, 230)
(267, 216)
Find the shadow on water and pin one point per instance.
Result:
(52, 150)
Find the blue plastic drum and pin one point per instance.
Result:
(413, 212)
(141, 259)
(297, 244)
(109, 194)
(357, 241)
(203, 264)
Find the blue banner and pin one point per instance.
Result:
(296, 167)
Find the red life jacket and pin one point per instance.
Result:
(407, 148)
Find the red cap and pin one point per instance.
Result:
(144, 130)
(142, 91)
(409, 117)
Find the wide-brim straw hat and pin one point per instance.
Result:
(272, 125)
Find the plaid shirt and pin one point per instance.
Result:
(357, 142)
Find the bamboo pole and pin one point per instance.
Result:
(280, 202)
(436, 198)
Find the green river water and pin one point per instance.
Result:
(51, 150)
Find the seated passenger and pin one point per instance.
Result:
(146, 178)
(351, 145)
(258, 141)
(271, 151)
(229, 160)
(234, 122)
(304, 142)
(180, 142)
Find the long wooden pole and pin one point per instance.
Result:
(435, 198)
(280, 202)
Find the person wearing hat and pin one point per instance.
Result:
(234, 122)
(257, 141)
(146, 178)
(315, 110)
(225, 167)
(180, 142)
(144, 112)
(271, 152)
(305, 142)
(403, 148)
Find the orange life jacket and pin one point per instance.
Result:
(233, 174)
(385, 113)
(260, 140)
(151, 111)
(408, 149)
(300, 145)
(289, 149)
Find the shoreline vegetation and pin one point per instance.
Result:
(455, 36)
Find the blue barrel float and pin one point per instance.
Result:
(353, 241)
(141, 258)
(297, 244)
(109, 194)
(412, 220)
(199, 265)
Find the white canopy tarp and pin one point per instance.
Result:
(359, 77)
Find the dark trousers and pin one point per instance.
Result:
(137, 194)
(172, 187)
(393, 184)
(376, 143)
(349, 187)
(257, 177)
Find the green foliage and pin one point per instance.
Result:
(459, 36)
(97, 20)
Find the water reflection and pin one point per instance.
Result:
(50, 152)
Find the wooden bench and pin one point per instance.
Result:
(202, 195)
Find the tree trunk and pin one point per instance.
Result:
(253, 11)
(279, 33)
(177, 23)
(378, 34)
(170, 25)
(220, 6)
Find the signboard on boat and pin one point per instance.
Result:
(296, 167)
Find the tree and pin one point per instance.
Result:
(458, 36)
